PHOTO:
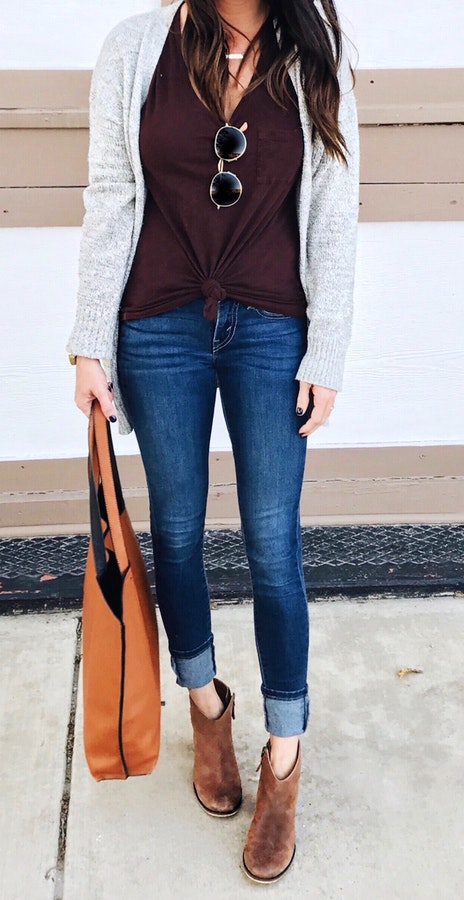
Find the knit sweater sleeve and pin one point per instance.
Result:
(331, 248)
(109, 210)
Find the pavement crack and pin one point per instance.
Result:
(66, 794)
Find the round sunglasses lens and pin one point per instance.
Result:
(230, 143)
(225, 189)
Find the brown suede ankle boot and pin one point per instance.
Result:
(270, 844)
(216, 779)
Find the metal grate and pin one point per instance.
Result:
(46, 572)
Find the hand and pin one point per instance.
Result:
(92, 384)
(324, 399)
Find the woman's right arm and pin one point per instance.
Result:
(106, 231)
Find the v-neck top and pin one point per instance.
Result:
(188, 248)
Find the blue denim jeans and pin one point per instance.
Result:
(170, 366)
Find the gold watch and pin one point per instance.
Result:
(72, 358)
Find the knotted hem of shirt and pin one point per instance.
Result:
(213, 294)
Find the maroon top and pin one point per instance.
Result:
(187, 247)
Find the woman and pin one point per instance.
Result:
(221, 218)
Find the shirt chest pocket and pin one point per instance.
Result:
(279, 156)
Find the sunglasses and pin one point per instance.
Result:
(229, 145)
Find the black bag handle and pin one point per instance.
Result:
(106, 505)
(105, 474)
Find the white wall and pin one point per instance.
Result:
(61, 34)
(405, 368)
(405, 34)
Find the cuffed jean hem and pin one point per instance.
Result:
(286, 718)
(195, 671)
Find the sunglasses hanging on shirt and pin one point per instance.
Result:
(229, 145)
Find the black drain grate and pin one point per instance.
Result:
(46, 572)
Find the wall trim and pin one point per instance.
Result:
(341, 486)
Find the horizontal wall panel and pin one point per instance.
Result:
(46, 206)
(52, 157)
(402, 484)
(44, 118)
(411, 202)
(322, 502)
(45, 475)
(384, 96)
(409, 96)
(44, 88)
(412, 153)
(389, 155)
(41, 207)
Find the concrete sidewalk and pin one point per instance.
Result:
(380, 812)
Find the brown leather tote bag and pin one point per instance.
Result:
(120, 652)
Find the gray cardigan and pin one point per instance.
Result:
(115, 201)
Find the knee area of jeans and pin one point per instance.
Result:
(181, 538)
(272, 542)
(272, 549)
(271, 576)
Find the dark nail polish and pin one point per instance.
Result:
(299, 411)
(112, 418)
(110, 386)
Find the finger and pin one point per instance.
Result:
(303, 398)
(319, 416)
(105, 399)
(311, 425)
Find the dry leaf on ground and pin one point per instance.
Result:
(402, 672)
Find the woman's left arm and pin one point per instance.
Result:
(330, 262)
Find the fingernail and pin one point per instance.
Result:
(110, 386)
(299, 411)
(112, 418)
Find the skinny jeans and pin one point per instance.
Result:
(170, 366)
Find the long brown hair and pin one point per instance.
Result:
(303, 36)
